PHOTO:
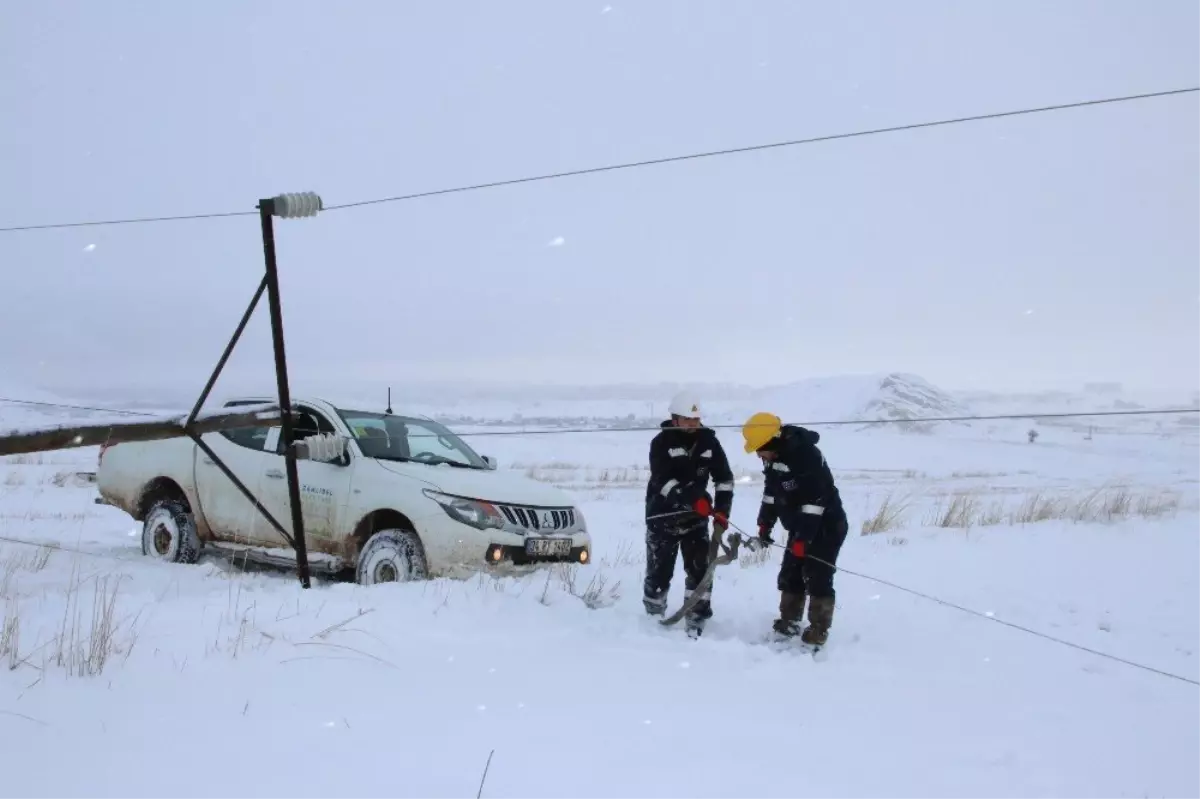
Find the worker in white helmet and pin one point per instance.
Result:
(683, 457)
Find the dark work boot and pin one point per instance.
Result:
(656, 605)
(699, 615)
(820, 617)
(791, 611)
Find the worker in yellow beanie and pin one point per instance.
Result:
(799, 492)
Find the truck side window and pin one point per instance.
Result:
(308, 423)
(249, 437)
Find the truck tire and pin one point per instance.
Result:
(391, 556)
(169, 532)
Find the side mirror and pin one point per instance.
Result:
(324, 448)
(490, 461)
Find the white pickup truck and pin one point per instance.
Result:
(394, 498)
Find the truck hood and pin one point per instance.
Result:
(491, 486)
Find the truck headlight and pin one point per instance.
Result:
(471, 512)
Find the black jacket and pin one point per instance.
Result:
(798, 488)
(681, 463)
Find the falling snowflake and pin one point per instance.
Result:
(557, 242)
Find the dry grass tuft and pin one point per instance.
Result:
(21, 560)
(237, 627)
(889, 516)
(84, 648)
(1152, 506)
(597, 594)
(1100, 505)
(627, 554)
(1038, 507)
(992, 516)
(962, 512)
(10, 633)
(11, 565)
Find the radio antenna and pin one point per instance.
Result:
(389, 405)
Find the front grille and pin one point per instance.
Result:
(544, 520)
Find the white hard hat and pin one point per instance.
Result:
(686, 405)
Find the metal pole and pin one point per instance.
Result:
(237, 334)
(266, 209)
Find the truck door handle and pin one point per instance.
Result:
(274, 474)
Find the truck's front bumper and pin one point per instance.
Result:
(522, 555)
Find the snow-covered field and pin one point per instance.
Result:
(123, 677)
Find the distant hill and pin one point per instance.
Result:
(894, 396)
(897, 398)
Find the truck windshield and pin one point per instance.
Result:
(403, 438)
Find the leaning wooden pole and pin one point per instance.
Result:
(100, 433)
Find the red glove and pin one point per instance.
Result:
(702, 507)
(797, 548)
(721, 519)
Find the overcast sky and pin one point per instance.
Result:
(1030, 252)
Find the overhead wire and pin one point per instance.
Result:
(132, 221)
(643, 163)
(761, 147)
(841, 422)
(971, 611)
(67, 406)
(656, 428)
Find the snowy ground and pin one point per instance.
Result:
(127, 678)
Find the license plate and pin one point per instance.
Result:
(540, 547)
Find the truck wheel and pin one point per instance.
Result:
(169, 532)
(391, 556)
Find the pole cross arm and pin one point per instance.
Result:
(101, 433)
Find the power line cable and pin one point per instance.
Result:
(759, 147)
(842, 422)
(65, 406)
(988, 616)
(133, 221)
(1030, 631)
(656, 428)
(639, 164)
